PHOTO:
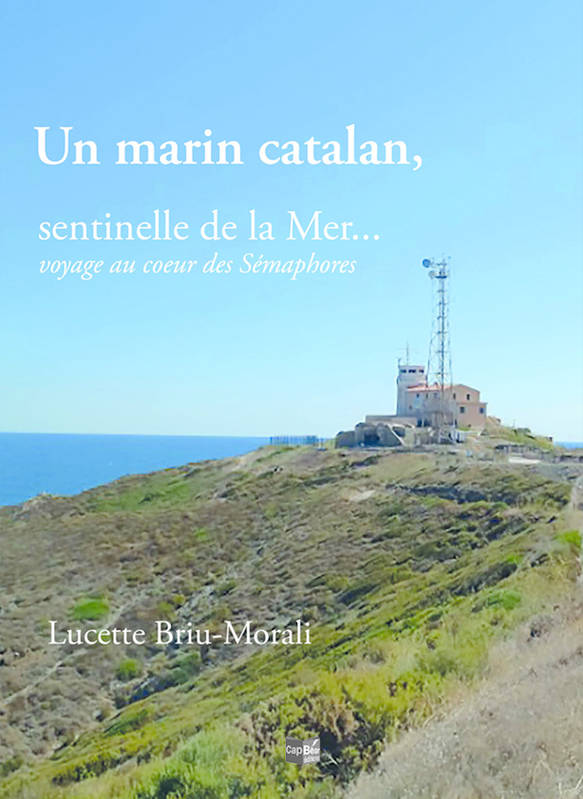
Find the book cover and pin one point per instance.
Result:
(291, 461)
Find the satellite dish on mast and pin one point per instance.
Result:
(426, 262)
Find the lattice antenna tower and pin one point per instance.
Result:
(439, 361)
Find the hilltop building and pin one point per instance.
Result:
(431, 408)
(462, 402)
(419, 405)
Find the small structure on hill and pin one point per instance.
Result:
(378, 434)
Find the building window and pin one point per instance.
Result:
(411, 371)
(482, 410)
(462, 409)
(468, 397)
(403, 371)
(454, 396)
(416, 396)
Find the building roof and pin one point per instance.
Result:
(423, 387)
(460, 386)
(436, 387)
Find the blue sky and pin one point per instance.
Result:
(488, 94)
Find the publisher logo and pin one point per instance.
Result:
(302, 752)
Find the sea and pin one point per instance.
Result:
(63, 464)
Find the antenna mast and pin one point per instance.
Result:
(439, 361)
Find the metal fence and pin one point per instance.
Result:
(296, 441)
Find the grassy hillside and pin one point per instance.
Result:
(407, 566)
(518, 734)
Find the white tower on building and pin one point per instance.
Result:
(409, 375)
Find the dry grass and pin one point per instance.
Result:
(519, 737)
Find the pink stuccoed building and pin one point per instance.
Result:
(462, 402)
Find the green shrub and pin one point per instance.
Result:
(128, 670)
(226, 587)
(505, 599)
(336, 582)
(178, 600)
(572, 538)
(201, 534)
(166, 610)
(132, 720)
(181, 670)
(11, 764)
(91, 609)
(211, 766)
